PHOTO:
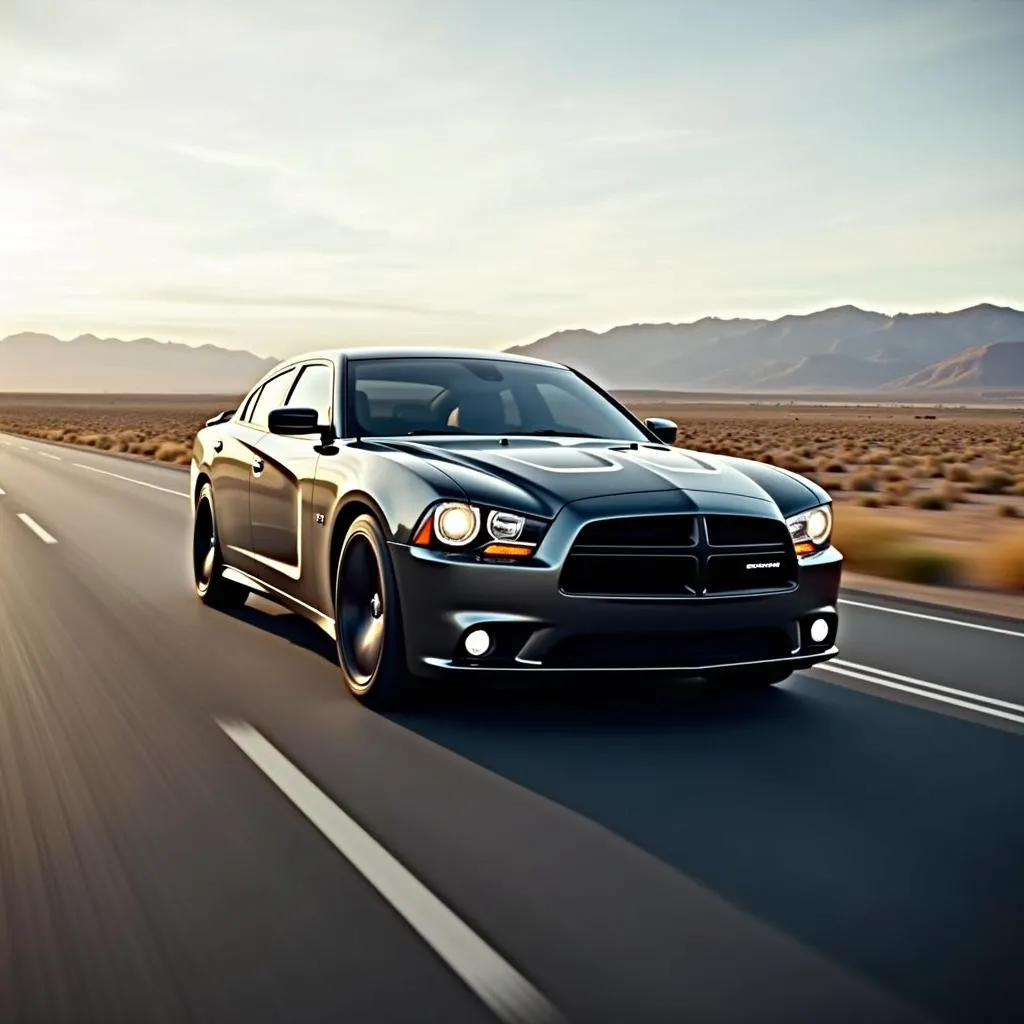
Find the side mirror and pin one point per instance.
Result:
(665, 430)
(221, 417)
(294, 421)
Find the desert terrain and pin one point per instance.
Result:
(928, 494)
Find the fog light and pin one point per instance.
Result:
(477, 643)
(819, 630)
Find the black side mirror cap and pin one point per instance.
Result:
(294, 421)
(664, 430)
(221, 417)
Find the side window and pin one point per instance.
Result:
(247, 404)
(314, 390)
(271, 397)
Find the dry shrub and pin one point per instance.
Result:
(864, 480)
(171, 451)
(952, 493)
(1007, 511)
(794, 462)
(991, 482)
(932, 501)
(1002, 561)
(1018, 488)
(959, 473)
(872, 546)
(895, 491)
(881, 457)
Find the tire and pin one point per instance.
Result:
(368, 619)
(207, 560)
(759, 678)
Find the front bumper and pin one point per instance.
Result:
(536, 628)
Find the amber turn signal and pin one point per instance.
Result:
(508, 550)
(422, 538)
(805, 549)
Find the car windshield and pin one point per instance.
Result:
(442, 395)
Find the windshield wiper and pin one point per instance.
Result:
(549, 432)
(433, 430)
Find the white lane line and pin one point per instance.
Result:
(2, 492)
(47, 455)
(130, 479)
(25, 448)
(877, 680)
(852, 665)
(931, 618)
(499, 985)
(45, 537)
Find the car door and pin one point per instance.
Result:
(230, 469)
(270, 396)
(281, 488)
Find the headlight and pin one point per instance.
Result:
(456, 527)
(456, 524)
(505, 525)
(811, 530)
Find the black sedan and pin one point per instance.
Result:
(443, 512)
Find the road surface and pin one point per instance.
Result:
(197, 823)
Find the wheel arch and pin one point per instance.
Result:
(202, 478)
(349, 509)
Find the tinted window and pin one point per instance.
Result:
(271, 397)
(246, 407)
(314, 390)
(391, 397)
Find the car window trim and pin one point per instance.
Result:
(290, 368)
(301, 367)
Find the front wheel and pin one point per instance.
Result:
(754, 678)
(207, 561)
(368, 619)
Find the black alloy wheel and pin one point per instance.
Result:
(207, 562)
(368, 621)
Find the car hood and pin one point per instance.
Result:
(540, 476)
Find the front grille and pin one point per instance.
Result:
(634, 532)
(745, 531)
(627, 575)
(668, 650)
(680, 556)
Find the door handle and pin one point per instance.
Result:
(257, 465)
(218, 446)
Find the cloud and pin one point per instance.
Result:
(286, 301)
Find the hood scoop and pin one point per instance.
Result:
(670, 460)
(559, 459)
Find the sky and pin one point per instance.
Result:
(280, 175)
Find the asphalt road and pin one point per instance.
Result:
(196, 823)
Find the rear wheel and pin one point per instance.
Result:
(755, 678)
(368, 619)
(207, 561)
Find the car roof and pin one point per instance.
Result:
(415, 352)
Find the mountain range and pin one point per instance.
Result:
(842, 349)
(40, 362)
